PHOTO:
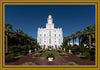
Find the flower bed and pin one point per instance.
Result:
(50, 57)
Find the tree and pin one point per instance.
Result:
(90, 32)
(65, 41)
(73, 37)
(19, 34)
(79, 33)
(69, 38)
(25, 36)
(8, 30)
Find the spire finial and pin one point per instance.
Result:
(49, 16)
(50, 20)
(49, 13)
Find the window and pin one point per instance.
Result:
(44, 35)
(40, 41)
(59, 41)
(49, 41)
(44, 41)
(49, 33)
(59, 34)
(55, 35)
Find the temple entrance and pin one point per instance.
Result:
(44, 47)
(56, 47)
(49, 47)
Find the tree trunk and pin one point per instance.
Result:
(73, 42)
(6, 43)
(69, 42)
(79, 41)
(89, 42)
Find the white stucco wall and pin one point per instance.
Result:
(50, 36)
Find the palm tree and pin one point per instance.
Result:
(69, 38)
(79, 33)
(89, 32)
(65, 41)
(73, 37)
(8, 30)
(19, 34)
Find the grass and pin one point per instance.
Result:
(45, 53)
(78, 55)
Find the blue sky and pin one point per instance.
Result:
(68, 17)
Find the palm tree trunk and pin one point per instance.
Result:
(6, 43)
(79, 41)
(73, 42)
(89, 42)
(69, 42)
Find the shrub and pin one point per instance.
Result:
(78, 55)
(50, 55)
(62, 54)
(37, 55)
(70, 63)
(58, 51)
(18, 57)
(11, 58)
(28, 63)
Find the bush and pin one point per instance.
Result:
(78, 55)
(11, 58)
(37, 55)
(70, 63)
(58, 51)
(28, 63)
(50, 55)
(18, 57)
(62, 54)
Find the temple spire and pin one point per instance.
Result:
(50, 20)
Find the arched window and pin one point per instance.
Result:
(59, 41)
(49, 41)
(55, 35)
(44, 35)
(49, 33)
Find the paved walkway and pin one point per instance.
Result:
(57, 60)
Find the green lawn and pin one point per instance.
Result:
(45, 53)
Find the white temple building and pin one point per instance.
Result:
(50, 37)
